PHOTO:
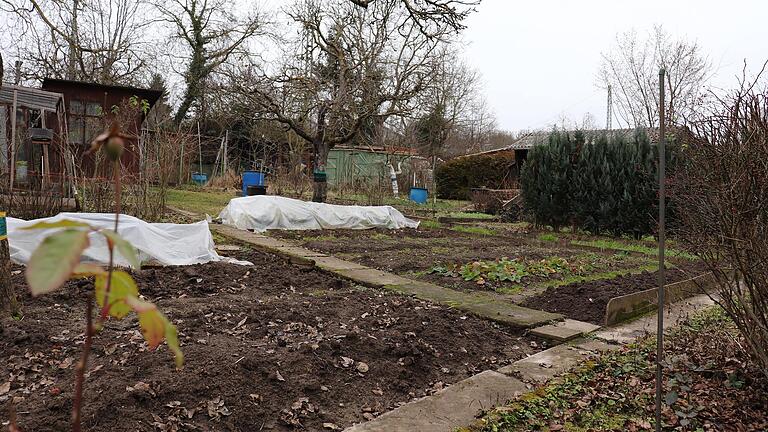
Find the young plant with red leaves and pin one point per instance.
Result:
(57, 260)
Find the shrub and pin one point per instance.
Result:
(546, 179)
(457, 177)
(603, 184)
(721, 189)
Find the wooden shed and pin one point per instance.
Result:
(89, 107)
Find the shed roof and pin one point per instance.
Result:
(151, 95)
(30, 97)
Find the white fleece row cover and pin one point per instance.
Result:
(264, 212)
(162, 243)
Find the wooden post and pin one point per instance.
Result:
(8, 301)
(46, 168)
(12, 162)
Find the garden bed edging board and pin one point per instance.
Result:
(629, 306)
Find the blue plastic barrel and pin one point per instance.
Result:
(199, 179)
(419, 195)
(252, 178)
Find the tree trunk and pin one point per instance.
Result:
(320, 146)
(320, 180)
(8, 302)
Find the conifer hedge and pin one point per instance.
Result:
(602, 184)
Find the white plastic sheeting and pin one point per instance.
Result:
(262, 212)
(161, 243)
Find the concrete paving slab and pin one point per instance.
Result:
(564, 330)
(372, 277)
(594, 345)
(243, 235)
(480, 304)
(300, 251)
(508, 313)
(647, 325)
(453, 407)
(332, 264)
(227, 248)
(543, 366)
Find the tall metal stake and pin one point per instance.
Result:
(199, 148)
(662, 239)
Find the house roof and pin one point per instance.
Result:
(400, 151)
(30, 97)
(151, 95)
(532, 139)
(523, 143)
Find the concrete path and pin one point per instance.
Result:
(486, 305)
(647, 325)
(450, 408)
(443, 412)
(545, 365)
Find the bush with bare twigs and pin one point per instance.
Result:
(161, 162)
(722, 193)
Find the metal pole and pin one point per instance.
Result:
(662, 239)
(199, 148)
(226, 149)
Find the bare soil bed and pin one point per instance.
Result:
(414, 252)
(586, 301)
(269, 347)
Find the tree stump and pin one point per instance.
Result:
(8, 301)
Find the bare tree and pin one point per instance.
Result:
(433, 16)
(453, 102)
(631, 69)
(357, 67)
(210, 34)
(98, 40)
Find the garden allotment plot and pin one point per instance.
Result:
(573, 275)
(469, 258)
(274, 346)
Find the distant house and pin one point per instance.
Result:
(89, 107)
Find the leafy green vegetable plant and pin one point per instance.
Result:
(58, 259)
(506, 270)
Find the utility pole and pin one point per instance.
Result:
(608, 116)
(662, 239)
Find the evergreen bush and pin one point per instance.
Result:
(602, 183)
(456, 178)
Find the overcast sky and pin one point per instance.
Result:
(539, 58)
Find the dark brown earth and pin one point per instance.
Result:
(413, 252)
(270, 347)
(586, 301)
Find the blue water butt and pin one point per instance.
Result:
(199, 179)
(252, 178)
(419, 195)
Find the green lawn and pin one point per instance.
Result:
(643, 248)
(199, 201)
(441, 205)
